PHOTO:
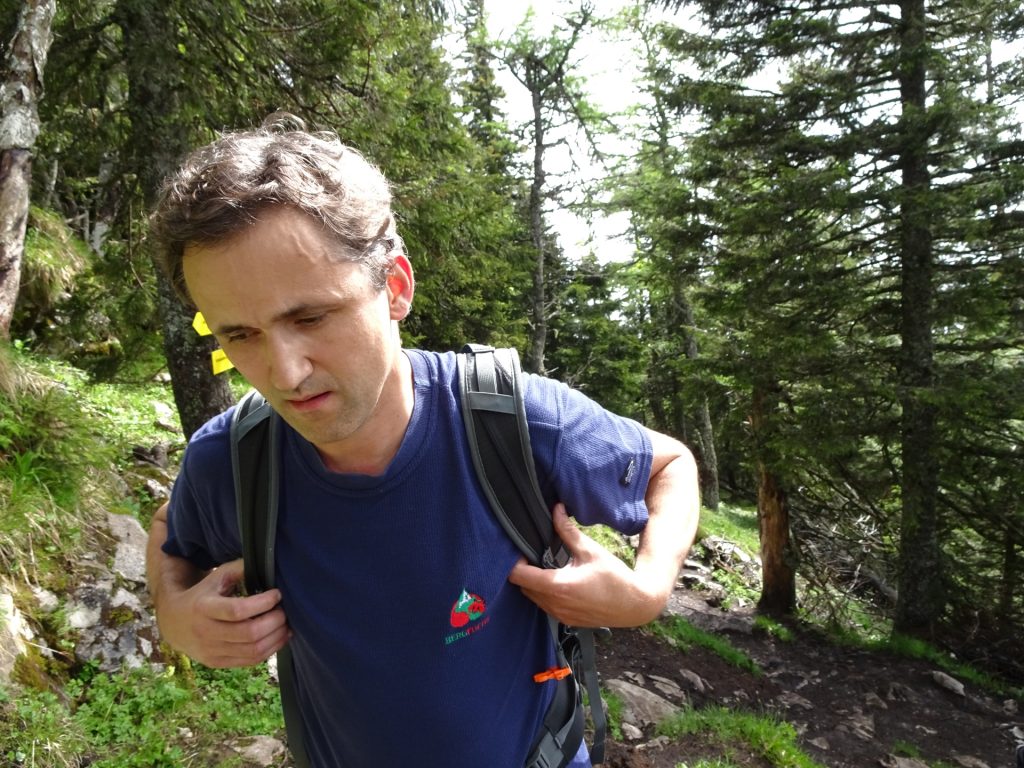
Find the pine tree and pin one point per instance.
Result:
(860, 205)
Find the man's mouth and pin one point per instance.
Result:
(311, 403)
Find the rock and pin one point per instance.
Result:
(641, 707)
(945, 681)
(900, 692)
(15, 635)
(114, 627)
(860, 725)
(657, 743)
(130, 556)
(789, 699)
(668, 688)
(1010, 707)
(634, 677)
(892, 761)
(631, 733)
(46, 601)
(695, 681)
(821, 743)
(872, 699)
(969, 761)
(262, 750)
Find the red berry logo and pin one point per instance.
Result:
(467, 608)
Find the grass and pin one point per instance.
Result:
(734, 523)
(768, 737)
(683, 635)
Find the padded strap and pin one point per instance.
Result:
(499, 441)
(588, 668)
(255, 470)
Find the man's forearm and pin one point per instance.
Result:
(673, 504)
(164, 572)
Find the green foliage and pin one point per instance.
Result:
(684, 635)
(767, 737)
(614, 709)
(54, 257)
(49, 453)
(37, 729)
(61, 440)
(134, 719)
(769, 195)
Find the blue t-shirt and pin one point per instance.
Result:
(410, 645)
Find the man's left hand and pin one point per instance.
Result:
(596, 589)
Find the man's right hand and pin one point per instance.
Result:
(213, 625)
(203, 616)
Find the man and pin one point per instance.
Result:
(286, 242)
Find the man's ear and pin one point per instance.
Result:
(400, 287)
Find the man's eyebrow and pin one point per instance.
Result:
(299, 310)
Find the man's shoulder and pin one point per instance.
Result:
(211, 441)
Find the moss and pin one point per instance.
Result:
(35, 671)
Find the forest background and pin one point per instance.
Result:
(823, 295)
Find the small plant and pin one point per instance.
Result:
(614, 707)
(771, 627)
(684, 635)
(905, 749)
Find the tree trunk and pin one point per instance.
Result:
(539, 320)
(921, 585)
(19, 126)
(707, 456)
(160, 141)
(778, 587)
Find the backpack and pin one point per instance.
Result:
(492, 405)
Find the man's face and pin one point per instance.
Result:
(306, 328)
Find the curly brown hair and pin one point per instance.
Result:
(221, 189)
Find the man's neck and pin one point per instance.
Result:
(371, 450)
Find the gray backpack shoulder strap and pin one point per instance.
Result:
(255, 467)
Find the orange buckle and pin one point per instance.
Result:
(555, 673)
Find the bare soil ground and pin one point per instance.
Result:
(852, 708)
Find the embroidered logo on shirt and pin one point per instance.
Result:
(467, 614)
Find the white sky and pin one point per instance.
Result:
(607, 67)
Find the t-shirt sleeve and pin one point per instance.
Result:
(596, 462)
(201, 519)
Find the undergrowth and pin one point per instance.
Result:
(136, 719)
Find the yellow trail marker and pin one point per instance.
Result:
(199, 323)
(220, 361)
(218, 358)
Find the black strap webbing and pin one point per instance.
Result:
(499, 440)
(494, 412)
(254, 457)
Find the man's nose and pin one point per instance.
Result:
(288, 363)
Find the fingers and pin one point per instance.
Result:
(218, 628)
(237, 644)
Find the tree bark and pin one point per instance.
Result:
(778, 587)
(160, 140)
(921, 585)
(19, 126)
(707, 456)
(539, 320)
